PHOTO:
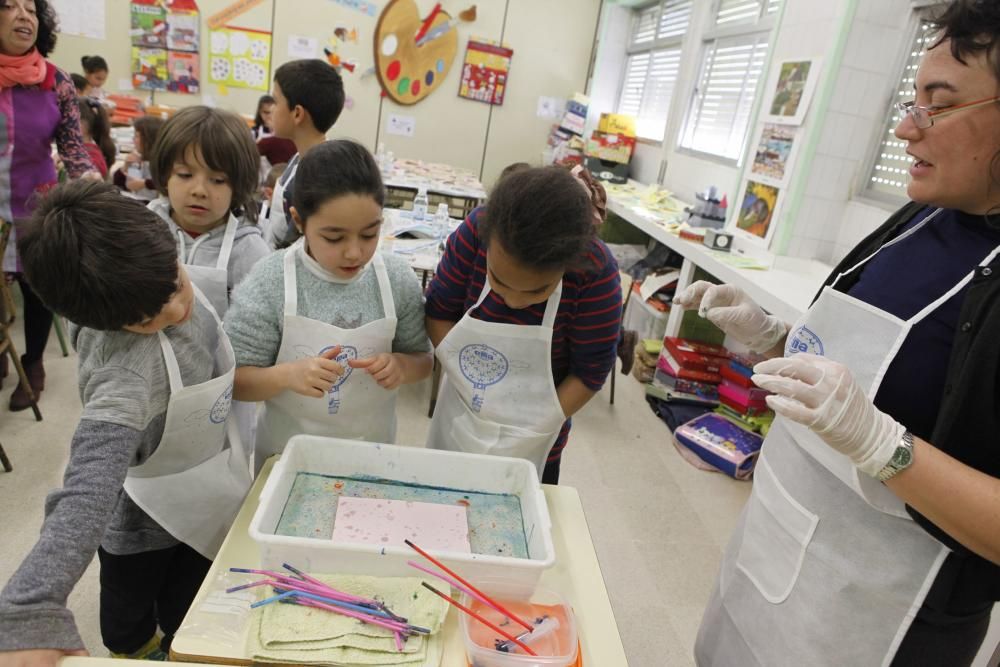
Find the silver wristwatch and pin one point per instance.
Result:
(901, 459)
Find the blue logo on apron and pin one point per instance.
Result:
(804, 340)
(220, 411)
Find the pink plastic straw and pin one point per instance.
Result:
(399, 641)
(385, 623)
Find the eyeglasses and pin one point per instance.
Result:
(923, 117)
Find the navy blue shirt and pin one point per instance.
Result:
(904, 278)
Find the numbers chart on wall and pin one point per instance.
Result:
(239, 57)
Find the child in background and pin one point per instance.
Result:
(95, 71)
(328, 329)
(135, 177)
(267, 192)
(526, 286)
(95, 126)
(130, 492)
(309, 96)
(204, 164)
(83, 87)
(262, 119)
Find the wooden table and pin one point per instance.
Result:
(576, 575)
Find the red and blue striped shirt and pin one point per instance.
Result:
(585, 333)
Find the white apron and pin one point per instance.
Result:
(498, 395)
(212, 280)
(825, 565)
(278, 223)
(192, 484)
(356, 407)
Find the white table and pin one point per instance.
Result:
(785, 290)
(440, 179)
(576, 575)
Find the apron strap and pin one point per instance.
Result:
(170, 361)
(169, 358)
(291, 286)
(278, 196)
(954, 290)
(908, 233)
(227, 243)
(384, 287)
(552, 306)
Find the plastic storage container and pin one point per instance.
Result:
(557, 649)
(409, 465)
(645, 319)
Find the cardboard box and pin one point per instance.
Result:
(613, 147)
(605, 170)
(616, 123)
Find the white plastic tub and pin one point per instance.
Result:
(411, 465)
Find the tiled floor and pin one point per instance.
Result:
(658, 524)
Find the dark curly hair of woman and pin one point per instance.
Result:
(48, 26)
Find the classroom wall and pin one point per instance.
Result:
(555, 33)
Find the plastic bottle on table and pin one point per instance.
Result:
(441, 223)
(420, 205)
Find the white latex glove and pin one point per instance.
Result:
(822, 394)
(729, 308)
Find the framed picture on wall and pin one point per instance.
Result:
(757, 213)
(795, 82)
(774, 152)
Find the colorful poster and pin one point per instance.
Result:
(183, 71)
(757, 210)
(240, 58)
(149, 24)
(773, 153)
(796, 83)
(484, 74)
(183, 26)
(149, 69)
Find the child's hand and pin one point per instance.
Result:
(313, 376)
(384, 368)
(135, 184)
(41, 657)
(133, 158)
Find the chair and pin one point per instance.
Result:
(626, 282)
(7, 318)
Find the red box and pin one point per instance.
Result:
(669, 365)
(742, 399)
(694, 355)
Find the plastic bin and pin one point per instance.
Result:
(645, 319)
(559, 649)
(409, 465)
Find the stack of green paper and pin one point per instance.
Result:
(292, 633)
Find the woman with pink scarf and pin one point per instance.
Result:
(37, 105)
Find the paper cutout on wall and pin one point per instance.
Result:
(484, 74)
(363, 6)
(148, 24)
(149, 68)
(221, 18)
(239, 58)
(413, 55)
(183, 26)
(183, 71)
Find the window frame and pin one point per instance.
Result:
(921, 10)
(764, 24)
(652, 47)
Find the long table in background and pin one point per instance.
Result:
(785, 290)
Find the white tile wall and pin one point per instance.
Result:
(829, 221)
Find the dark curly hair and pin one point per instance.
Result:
(48, 26)
(542, 218)
(971, 28)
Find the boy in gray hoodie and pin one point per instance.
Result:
(110, 266)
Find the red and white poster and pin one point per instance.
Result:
(484, 74)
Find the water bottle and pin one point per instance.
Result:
(441, 223)
(420, 205)
(380, 157)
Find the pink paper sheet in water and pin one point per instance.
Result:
(389, 522)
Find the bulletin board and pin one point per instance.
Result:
(240, 58)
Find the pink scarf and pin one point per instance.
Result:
(26, 70)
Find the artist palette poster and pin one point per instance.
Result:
(240, 58)
(484, 74)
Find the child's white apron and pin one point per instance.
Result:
(192, 484)
(498, 395)
(356, 407)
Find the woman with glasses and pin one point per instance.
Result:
(872, 535)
